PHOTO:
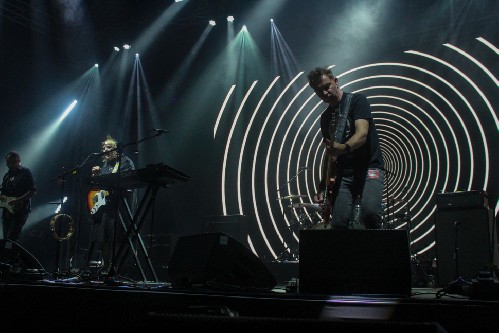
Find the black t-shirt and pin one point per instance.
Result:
(112, 167)
(109, 167)
(16, 183)
(368, 155)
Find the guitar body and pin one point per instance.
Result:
(96, 198)
(5, 204)
(328, 192)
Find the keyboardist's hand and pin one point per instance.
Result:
(95, 170)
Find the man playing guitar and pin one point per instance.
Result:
(18, 186)
(352, 148)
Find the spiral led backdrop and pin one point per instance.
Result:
(437, 126)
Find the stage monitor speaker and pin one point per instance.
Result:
(232, 225)
(464, 240)
(216, 260)
(17, 263)
(355, 262)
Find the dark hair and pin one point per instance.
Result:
(13, 154)
(315, 75)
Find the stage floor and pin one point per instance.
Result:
(97, 303)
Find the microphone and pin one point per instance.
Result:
(160, 130)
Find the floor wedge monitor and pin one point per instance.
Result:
(218, 261)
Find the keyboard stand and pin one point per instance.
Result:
(133, 234)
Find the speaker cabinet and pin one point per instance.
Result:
(232, 225)
(17, 263)
(348, 262)
(217, 260)
(464, 240)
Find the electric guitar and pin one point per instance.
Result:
(5, 204)
(96, 199)
(329, 174)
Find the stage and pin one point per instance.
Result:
(98, 302)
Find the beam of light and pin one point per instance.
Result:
(66, 112)
(157, 27)
(59, 207)
(284, 62)
(181, 72)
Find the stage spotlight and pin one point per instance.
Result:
(96, 65)
(179, 0)
(244, 28)
(126, 46)
(271, 20)
(136, 55)
(213, 23)
(117, 49)
(230, 18)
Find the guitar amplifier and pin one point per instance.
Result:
(462, 199)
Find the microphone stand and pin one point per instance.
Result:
(61, 179)
(289, 181)
(110, 279)
(389, 174)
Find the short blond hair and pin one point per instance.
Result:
(112, 140)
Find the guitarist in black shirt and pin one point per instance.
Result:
(354, 146)
(18, 186)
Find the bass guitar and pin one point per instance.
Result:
(96, 199)
(329, 174)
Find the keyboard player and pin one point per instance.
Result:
(102, 206)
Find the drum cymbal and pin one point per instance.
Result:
(292, 196)
(311, 206)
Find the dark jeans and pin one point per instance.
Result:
(13, 225)
(371, 200)
(102, 238)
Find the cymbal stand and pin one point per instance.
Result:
(292, 252)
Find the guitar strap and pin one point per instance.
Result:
(342, 123)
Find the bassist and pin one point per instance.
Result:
(351, 142)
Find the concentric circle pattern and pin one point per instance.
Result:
(438, 129)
